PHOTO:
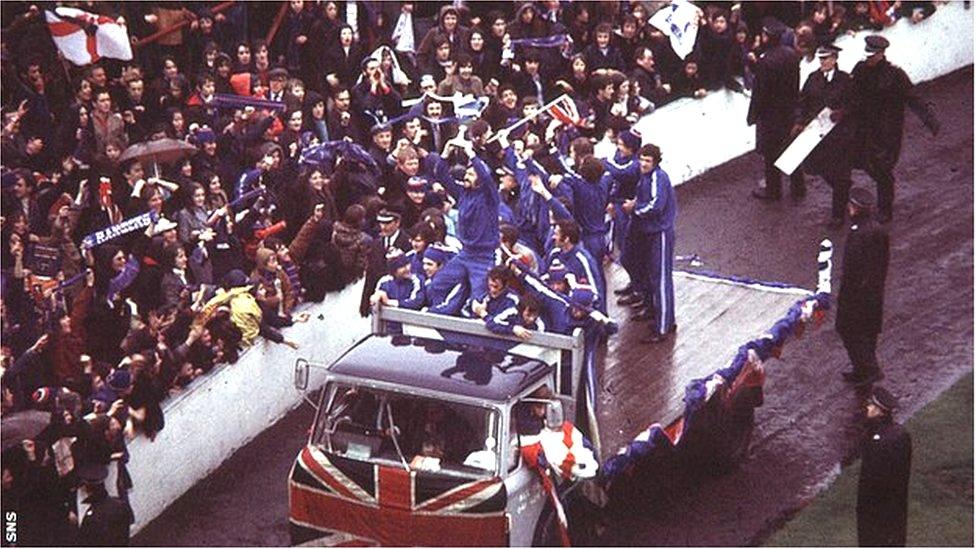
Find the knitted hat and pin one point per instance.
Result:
(395, 260)
(416, 184)
(437, 254)
(120, 380)
(631, 139)
(557, 271)
(582, 297)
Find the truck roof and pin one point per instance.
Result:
(462, 369)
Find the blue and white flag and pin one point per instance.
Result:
(679, 21)
(127, 226)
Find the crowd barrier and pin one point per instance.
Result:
(696, 135)
(221, 412)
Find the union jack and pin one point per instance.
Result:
(379, 505)
(564, 109)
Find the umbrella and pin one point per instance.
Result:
(19, 426)
(165, 151)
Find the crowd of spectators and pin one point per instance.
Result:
(246, 224)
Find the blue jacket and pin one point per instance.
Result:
(444, 296)
(532, 214)
(495, 306)
(407, 291)
(589, 202)
(417, 265)
(657, 206)
(580, 263)
(506, 321)
(477, 211)
(624, 171)
(555, 311)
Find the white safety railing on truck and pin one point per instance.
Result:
(568, 349)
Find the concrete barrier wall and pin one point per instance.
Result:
(698, 134)
(219, 413)
(223, 411)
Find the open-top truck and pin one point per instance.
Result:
(417, 438)
(434, 431)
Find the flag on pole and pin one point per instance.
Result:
(564, 109)
(84, 38)
(679, 21)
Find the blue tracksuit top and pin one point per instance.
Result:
(477, 211)
(589, 202)
(625, 171)
(445, 296)
(407, 291)
(532, 214)
(505, 322)
(656, 206)
(496, 305)
(580, 263)
(417, 264)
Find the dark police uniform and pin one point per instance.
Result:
(860, 301)
(879, 95)
(774, 97)
(106, 523)
(882, 489)
(831, 158)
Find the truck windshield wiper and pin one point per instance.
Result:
(393, 436)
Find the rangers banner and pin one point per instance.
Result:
(110, 233)
(84, 38)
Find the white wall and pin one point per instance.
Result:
(224, 410)
(698, 134)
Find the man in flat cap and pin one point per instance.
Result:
(828, 87)
(860, 301)
(880, 92)
(771, 108)
(886, 462)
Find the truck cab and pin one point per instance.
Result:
(419, 433)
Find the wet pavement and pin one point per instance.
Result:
(806, 427)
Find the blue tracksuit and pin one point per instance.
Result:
(445, 295)
(532, 214)
(506, 321)
(652, 231)
(407, 291)
(585, 268)
(417, 264)
(477, 229)
(559, 212)
(622, 173)
(589, 206)
(495, 305)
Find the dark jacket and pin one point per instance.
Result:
(106, 524)
(860, 301)
(879, 95)
(376, 265)
(882, 489)
(774, 98)
(817, 93)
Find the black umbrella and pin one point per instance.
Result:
(20, 426)
(159, 151)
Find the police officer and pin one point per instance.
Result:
(774, 97)
(828, 87)
(882, 489)
(879, 93)
(103, 521)
(861, 299)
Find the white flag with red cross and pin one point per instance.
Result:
(84, 38)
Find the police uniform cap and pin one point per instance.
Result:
(387, 215)
(862, 198)
(882, 398)
(828, 50)
(875, 43)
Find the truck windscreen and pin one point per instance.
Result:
(420, 433)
